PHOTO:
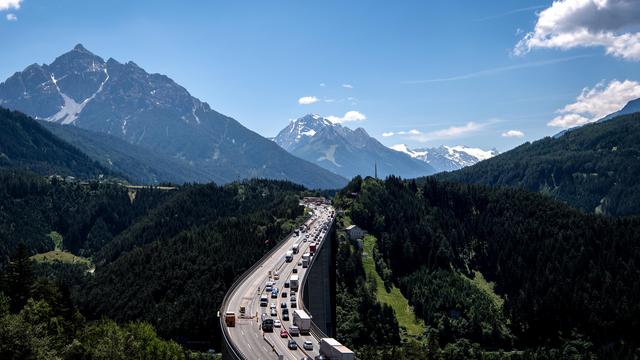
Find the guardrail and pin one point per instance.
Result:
(235, 353)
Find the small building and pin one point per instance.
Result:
(318, 200)
(354, 232)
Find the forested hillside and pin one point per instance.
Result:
(504, 270)
(138, 164)
(166, 257)
(38, 320)
(594, 168)
(87, 216)
(25, 144)
(173, 267)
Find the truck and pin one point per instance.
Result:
(230, 318)
(313, 247)
(305, 260)
(302, 320)
(293, 282)
(332, 349)
(288, 257)
(295, 248)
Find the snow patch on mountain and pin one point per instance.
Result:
(447, 158)
(71, 109)
(405, 149)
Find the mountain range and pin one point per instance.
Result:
(447, 158)
(345, 151)
(153, 112)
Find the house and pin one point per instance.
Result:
(354, 232)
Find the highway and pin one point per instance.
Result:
(247, 335)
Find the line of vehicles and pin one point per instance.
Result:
(277, 312)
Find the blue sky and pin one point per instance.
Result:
(430, 72)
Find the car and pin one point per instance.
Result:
(292, 298)
(294, 304)
(293, 345)
(277, 323)
(307, 345)
(274, 295)
(294, 330)
(284, 294)
(284, 333)
(299, 263)
(283, 305)
(293, 293)
(295, 270)
(285, 317)
(286, 284)
(272, 306)
(274, 312)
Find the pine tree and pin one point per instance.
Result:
(19, 278)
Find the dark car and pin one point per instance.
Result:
(293, 345)
(284, 294)
(295, 270)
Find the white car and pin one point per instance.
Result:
(277, 323)
(272, 306)
(307, 345)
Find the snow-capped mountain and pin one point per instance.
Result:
(151, 110)
(344, 151)
(447, 158)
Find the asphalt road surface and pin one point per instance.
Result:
(247, 335)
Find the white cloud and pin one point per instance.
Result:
(350, 116)
(10, 4)
(347, 86)
(569, 24)
(595, 103)
(387, 134)
(451, 132)
(323, 84)
(11, 17)
(513, 134)
(306, 100)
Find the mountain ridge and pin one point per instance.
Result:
(447, 158)
(344, 151)
(593, 168)
(25, 144)
(151, 110)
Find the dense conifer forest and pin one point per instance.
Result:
(594, 168)
(151, 268)
(497, 272)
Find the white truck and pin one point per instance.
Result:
(332, 349)
(302, 320)
(293, 282)
(305, 260)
